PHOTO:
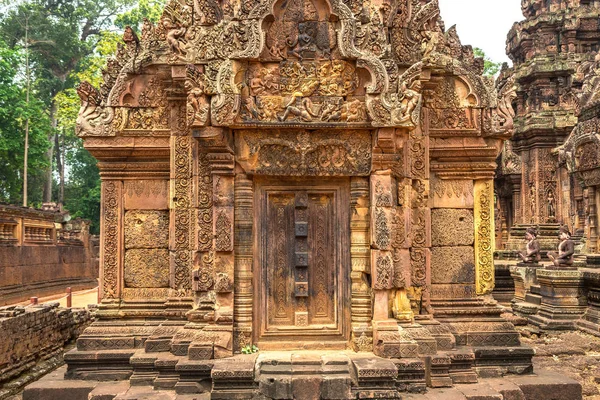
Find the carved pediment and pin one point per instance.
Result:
(294, 63)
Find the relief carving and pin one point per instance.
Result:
(112, 212)
(146, 229)
(223, 229)
(197, 102)
(182, 212)
(484, 237)
(312, 153)
(146, 268)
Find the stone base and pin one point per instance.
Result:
(301, 378)
(590, 321)
(504, 288)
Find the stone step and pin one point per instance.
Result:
(235, 379)
(535, 289)
(533, 298)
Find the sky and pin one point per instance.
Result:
(483, 23)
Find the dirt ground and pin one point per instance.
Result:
(574, 354)
(80, 299)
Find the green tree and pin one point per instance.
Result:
(14, 111)
(145, 9)
(490, 68)
(63, 34)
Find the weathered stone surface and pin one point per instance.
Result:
(259, 251)
(452, 227)
(452, 264)
(54, 387)
(42, 253)
(108, 391)
(34, 338)
(146, 268)
(479, 391)
(506, 388)
(548, 386)
(146, 229)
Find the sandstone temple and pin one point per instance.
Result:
(334, 184)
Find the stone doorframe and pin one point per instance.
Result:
(360, 250)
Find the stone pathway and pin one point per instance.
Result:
(574, 354)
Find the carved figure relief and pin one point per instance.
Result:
(197, 102)
(305, 153)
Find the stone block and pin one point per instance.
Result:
(305, 387)
(479, 391)
(147, 268)
(146, 229)
(336, 388)
(547, 385)
(452, 227)
(453, 264)
(447, 193)
(508, 389)
(157, 345)
(436, 394)
(108, 391)
(145, 194)
(47, 389)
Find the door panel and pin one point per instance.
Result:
(303, 259)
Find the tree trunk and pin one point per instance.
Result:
(60, 166)
(50, 152)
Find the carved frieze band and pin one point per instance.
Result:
(484, 236)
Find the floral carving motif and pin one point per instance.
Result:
(223, 232)
(307, 153)
(484, 248)
(384, 273)
(382, 229)
(182, 212)
(112, 211)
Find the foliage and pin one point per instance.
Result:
(13, 113)
(69, 41)
(490, 68)
(249, 349)
(149, 9)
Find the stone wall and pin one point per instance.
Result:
(42, 252)
(32, 341)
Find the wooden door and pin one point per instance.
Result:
(303, 261)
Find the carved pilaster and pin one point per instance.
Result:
(181, 214)
(111, 251)
(484, 236)
(420, 217)
(593, 245)
(242, 313)
(516, 195)
(360, 255)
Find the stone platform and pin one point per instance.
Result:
(307, 375)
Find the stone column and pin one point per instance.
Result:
(361, 265)
(516, 195)
(593, 242)
(243, 298)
